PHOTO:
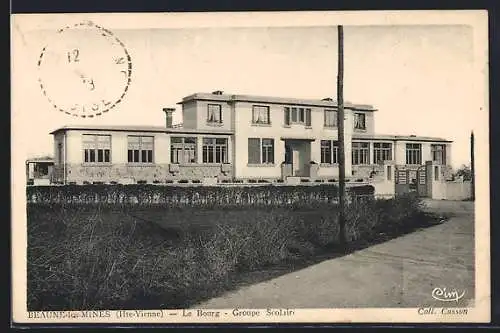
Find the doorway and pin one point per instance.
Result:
(297, 155)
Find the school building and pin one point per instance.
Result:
(225, 138)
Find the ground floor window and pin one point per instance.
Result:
(140, 149)
(439, 153)
(96, 148)
(183, 150)
(360, 153)
(41, 169)
(214, 150)
(382, 152)
(413, 153)
(260, 151)
(329, 151)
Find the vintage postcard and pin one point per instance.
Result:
(250, 167)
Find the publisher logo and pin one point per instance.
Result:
(447, 295)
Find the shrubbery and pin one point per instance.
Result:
(190, 196)
(94, 257)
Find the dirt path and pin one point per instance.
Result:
(399, 273)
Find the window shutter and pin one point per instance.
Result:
(253, 151)
(308, 117)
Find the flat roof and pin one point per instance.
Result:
(151, 129)
(111, 128)
(40, 160)
(388, 137)
(274, 100)
(216, 131)
(181, 130)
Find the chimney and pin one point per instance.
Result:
(169, 116)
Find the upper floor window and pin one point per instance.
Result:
(438, 153)
(330, 118)
(329, 151)
(413, 153)
(214, 150)
(140, 149)
(260, 114)
(214, 113)
(182, 150)
(360, 153)
(297, 115)
(360, 121)
(96, 148)
(260, 151)
(382, 151)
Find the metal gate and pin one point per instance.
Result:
(411, 181)
(422, 182)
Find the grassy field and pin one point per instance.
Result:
(117, 257)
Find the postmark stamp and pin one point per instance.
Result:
(85, 71)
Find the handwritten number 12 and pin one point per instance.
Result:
(73, 55)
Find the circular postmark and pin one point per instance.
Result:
(86, 71)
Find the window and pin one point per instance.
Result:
(360, 153)
(360, 121)
(436, 172)
(413, 153)
(260, 114)
(182, 150)
(329, 151)
(330, 118)
(59, 153)
(214, 113)
(96, 148)
(297, 115)
(438, 153)
(214, 150)
(40, 170)
(389, 172)
(260, 151)
(382, 152)
(140, 149)
(267, 151)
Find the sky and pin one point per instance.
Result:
(422, 79)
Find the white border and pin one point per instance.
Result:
(477, 19)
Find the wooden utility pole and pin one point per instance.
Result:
(340, 120)
(472, 173)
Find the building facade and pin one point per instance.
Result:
(228, 138)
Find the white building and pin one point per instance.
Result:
(240, 138)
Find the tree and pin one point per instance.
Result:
(464, 171)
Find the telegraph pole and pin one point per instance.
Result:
(473, 184)
(340, 120)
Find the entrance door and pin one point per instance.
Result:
(297, 156)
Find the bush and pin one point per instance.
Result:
(190, 196)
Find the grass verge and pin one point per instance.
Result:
(124, 257)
